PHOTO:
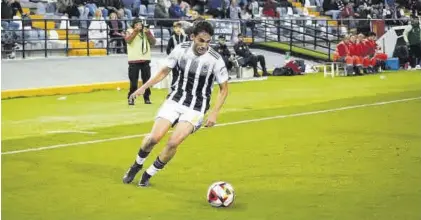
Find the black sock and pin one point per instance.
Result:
(141, 156)
(153, 169)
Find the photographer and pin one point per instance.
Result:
(139, 40)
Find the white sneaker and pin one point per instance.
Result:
(418, 67)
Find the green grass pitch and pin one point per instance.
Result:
(356, 163)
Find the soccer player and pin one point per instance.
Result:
(188, 100)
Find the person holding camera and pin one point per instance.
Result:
(139, 40)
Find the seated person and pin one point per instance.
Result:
(222, 49)
(242, 50)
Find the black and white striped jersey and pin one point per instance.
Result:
(192, 85)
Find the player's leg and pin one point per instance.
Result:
(146, 75)
(164, 120)
(188, 123)
(134, 78)
(181, 132)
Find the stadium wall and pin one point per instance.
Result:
(53, 76)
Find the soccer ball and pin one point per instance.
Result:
(220, 194)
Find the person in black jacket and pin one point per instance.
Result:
(223, 50)
(242, 50)
(176, 38)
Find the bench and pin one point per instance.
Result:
(335, 69)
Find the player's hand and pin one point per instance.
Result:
(211, 121)
(137, 93)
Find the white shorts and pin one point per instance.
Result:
(175, 112)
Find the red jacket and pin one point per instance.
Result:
(372, 45)
(342, 49)
(354, 49)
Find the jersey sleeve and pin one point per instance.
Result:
(220, 71)
(173, 57)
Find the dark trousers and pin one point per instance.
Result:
(253, 60)
(415, 54)
(145, 70)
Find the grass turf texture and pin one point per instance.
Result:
(298, 50)
(355, 164)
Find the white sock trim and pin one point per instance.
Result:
(140, 160)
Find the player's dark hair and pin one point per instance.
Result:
(202, 26)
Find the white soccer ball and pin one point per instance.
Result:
(220, 194)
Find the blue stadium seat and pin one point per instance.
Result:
(151, 10)
(143, 11)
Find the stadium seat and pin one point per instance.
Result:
(151, 11)
(143, 11)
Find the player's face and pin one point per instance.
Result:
(201, 43)
(353, 39)
(222, 41)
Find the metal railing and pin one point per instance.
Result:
(70, 41)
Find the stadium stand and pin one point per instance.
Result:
(72, 28)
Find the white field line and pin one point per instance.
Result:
(218, 125)
(68, 131)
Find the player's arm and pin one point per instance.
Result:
(162, 73)
(221, 74)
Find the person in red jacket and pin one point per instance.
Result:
(377, 58)
(355, 52)
(342, 55)
(378, 55)
(365, 50)
(342, 50)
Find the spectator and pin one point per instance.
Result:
(254, 8)
(412, 37)
(217, 8)
(177, 38)
(98, 29)
(7, 13)
(330, 7)
(242, 50)
(234, 12)
(116, 32)
(223, 50)
(269, 9)
(113, 5)
(185, 6)
(175, 10)
(17, 8)
(123, 18)
(161, 12)
(246, 19)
